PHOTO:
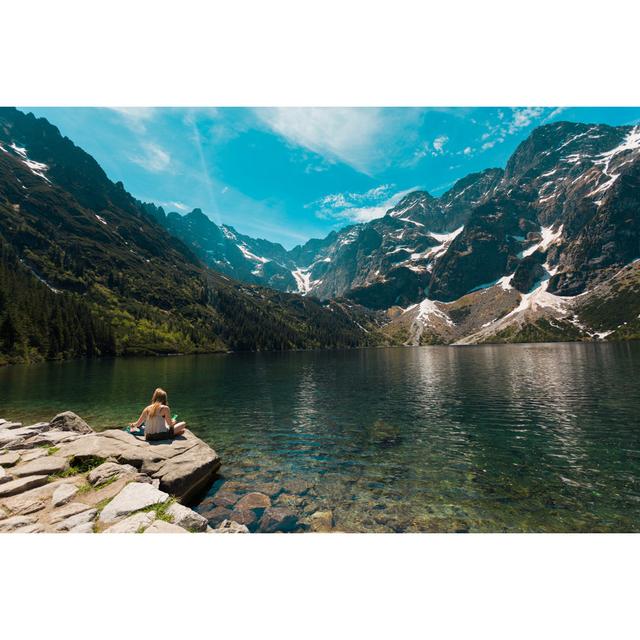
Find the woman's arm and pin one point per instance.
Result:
(141, 419)
(166, 413)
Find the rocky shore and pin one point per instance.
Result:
(61, 476)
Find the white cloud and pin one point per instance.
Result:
(439, 142)
(359, 207)
(367, 139)
(135, 118)
(153, 157)
(467, 151)
(523, 117)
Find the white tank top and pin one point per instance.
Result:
(155, 424)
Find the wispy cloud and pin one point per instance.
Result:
(152, 157)
(358, 207)
(364, 138)
(136, 118)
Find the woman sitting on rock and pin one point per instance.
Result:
(158, 423)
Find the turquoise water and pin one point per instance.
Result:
(488, 438)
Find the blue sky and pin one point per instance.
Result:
(289, 174)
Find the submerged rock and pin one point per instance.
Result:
(253, 500)
(244, 516)
(229, 526)
(276, 519)
(321, 521)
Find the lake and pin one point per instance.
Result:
(522, 438)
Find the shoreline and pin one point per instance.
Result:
(62, 476)
(130, 356)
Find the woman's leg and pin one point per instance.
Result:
(179, 428)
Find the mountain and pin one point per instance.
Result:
(499, 252)
(83, 247)
(377, 264)
(551, 254)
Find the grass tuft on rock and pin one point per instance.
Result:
(78, 466)
(160, 509)
(52, 450)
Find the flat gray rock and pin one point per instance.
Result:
(160, 526)
(12, 425)
(20, 485)
(63, 494)
(133, 523)
(186, 518)
(46, 466)
(86, 527)
(91, 445)
(69, 421)
(108, 471)
(40, 426)
(133, 497)
(80, 519)
(9, 458)
(68, 511)
(34, 454)
(16, 523)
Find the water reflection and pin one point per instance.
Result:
(491, 438)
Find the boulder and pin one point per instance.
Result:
(42, 466)
(63, 494)
(187, 473)
(253, 500)
(20, 485)
(133, 497)
(186, 518)
(16, 523)
(133, 523)
(108, 471)
(228, 526)
(244, 516)
(160, 526)
(69, 421)
(321, 521)
(83, 520)
(278, 519)
(9, 458)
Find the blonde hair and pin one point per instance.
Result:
(158, 398)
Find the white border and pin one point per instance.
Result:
(279, 52)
